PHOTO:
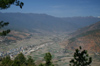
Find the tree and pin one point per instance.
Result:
(6, 61)
(48, 58)
(4, 4)
(30, 61)
(2, 24)
(20, 57)
(16, 63)
(81, 58)
(41, 64)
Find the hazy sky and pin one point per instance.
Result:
(59, 8)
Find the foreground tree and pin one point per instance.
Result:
(4, 4)
(81, 58)
(6, 61)
(48, 58)
(4, 32)
(41, 64)
(30, 61)
(21, 58)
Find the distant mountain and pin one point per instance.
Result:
(87, 28)
(88, 38)
(82, 21)
(45, 22)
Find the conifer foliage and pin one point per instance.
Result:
(19, 60)
(48, 58)
(81, 58)
(4, 4)
(4, 32)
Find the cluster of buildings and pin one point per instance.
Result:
(25, 50)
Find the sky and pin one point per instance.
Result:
(59, 8)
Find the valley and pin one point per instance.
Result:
(39, 44)
(36, 46)
(43, 33)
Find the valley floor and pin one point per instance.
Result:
(38, 45)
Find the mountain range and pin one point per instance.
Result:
(32, 21)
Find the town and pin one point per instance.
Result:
(25, 50)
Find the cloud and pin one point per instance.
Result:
(98, 16)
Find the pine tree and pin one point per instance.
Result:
(16, 63)
(48, 58)
(4, 32)
(5, 4)
(20, 57)
(81, 58)
(41, 64)
(6, 61)
(30, 61)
